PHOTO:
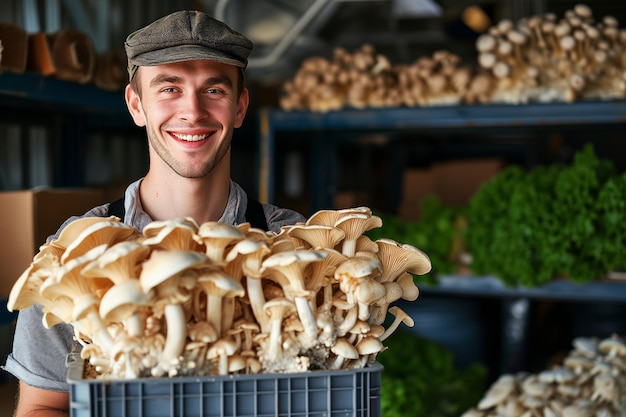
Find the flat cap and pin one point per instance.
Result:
(185, 36)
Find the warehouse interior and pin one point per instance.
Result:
(77, 139)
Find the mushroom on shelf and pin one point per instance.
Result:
(587, 382)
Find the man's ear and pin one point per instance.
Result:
(133, 102)
(242, 107)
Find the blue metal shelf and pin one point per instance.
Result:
(506, 118)
(488, 286)
(39, 92)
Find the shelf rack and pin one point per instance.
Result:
(68, 110)
(349, 122)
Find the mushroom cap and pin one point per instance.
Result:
(252, 251)
(165, 264)
(355, 224)
(216, 236)
(613, 345)
(402, 315)
(68, 280)
(410, 292)
(369, 345)
(358, 267)
(279, 307)
(224, 346)
(219, 283)
(202, 331)
(123, 300)
(118, 262)
(25, 291)
(73, 229)
(178, 234)
(398, 258)
(498, 392)
(289, 266)
(345, 349)
(98, 233)
(317, 235)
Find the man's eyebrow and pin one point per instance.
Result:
(219, 80)
(164, 79)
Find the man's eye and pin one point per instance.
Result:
(214, 91)
(169, 90)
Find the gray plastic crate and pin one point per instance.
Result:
(314, 393)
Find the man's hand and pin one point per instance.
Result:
(37, 402)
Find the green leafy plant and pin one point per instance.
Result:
(530, 227)
(434, 233)
(420, 379)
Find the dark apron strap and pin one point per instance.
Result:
(254, 212)
(255, 215)
(117, 208)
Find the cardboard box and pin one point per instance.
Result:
(457, 181)
(454, 182)
(29, 217)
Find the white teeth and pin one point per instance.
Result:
(190, 138)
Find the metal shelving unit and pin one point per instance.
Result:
(68, 110)
(394, 121)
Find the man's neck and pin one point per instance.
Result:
(203, 199)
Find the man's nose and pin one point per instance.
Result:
(193, 107)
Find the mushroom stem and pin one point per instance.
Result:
(257, 301)
(349, 320)
(214, 312)
(176, 333)
(307, 318)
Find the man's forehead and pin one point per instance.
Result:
(207, 71)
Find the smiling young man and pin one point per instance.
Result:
(186, 88)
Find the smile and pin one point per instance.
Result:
(190, 138)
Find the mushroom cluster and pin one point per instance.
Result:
(590, 381)
(367, 79)
(182, 298)
(545, 58)
(542, 58)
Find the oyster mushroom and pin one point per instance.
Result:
(177, 234)
(397, 258)
(119, 262)
(498, 392)
(317, 235)
(277, 309)
(354, 225)
(169, 274)
(216, 237)
(612, 346)
(400, 317)
(96, 234)
(343, 351)
(124, 302)
(288, 269)
(249, 254)
(356, 277)
(217, 285)
(221, 350)
(69, 283)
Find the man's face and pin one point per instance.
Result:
(189, 110)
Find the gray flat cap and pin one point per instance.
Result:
(185, 36)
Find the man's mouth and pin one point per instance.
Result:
(190, 138)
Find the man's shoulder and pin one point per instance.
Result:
(278, 217)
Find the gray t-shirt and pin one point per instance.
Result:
(39, 354)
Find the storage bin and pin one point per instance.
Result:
(315, 393)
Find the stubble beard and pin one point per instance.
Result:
(181, 168)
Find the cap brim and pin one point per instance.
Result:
(183, 53)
